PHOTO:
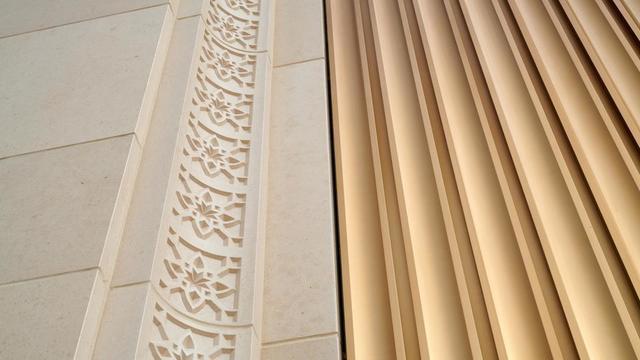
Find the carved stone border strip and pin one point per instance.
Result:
(204, 273)
(172, 336)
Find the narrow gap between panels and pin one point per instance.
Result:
(334, 192)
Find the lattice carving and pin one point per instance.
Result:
(227, 65)
(202, 283)
(216, 155)
(202, 252)
(240, 33)
(243, 7)
(212, 213)
(224, 109)
(173, 339)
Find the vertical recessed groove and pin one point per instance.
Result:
(436, 300)
(559, 18)
(630, 10)
(608, 258)
(536, 265)
(403, 316)
(488, 176)
(618, 128)
(368, 323)
(508, 295)
(622, 29)
(476, 317)
(615, 191)
(616, 68)
(588, 304)
(334, 180)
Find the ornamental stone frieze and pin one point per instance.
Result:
(205, 269)
(149, 206)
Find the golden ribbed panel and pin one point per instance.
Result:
(488, 177)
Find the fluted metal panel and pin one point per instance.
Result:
(488, 177)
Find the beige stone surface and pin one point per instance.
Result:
(19, 16)
(189, 8)
(44, 318)
(121, 323)
(143, 223)
(79, 82)
(299, 31)
(56, 207)
(324, 348)
(300, 272)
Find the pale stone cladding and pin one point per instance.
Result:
(161, 197)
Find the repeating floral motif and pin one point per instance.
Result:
(211, 212)
(238, 32)
(228, 65)
(200, 269)
(206, 284)
(247, 7)
(222, 108)
(218, 155)
(189, 343)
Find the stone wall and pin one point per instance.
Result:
(137, 217)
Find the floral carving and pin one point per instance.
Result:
(235, 31)
(228, 66)
(223, 108)
(207, 284)
(249, 7)
(218, 155)
(177, 341)
(198, 275)
(212, 212)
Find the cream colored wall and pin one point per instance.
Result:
(190, 268)
(300, 298)
(109, 112)
(78, 83)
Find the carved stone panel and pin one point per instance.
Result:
(204, 271)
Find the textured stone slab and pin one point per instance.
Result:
(189, 8)
(324, 348)
(56, 207)
(299, 31)
(143, 223)
(45, 318)
(19, 16)
(80, 82)
(300, 274)
(121, 323)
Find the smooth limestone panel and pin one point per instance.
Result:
(80, 82)
(189, 8)
(56, 207)
(143, 223)
(299, 31)
(324, 348)
(300, 292)
(19, 16)
(45, 318)
(121, 323)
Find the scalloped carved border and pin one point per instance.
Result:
(203, 273)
